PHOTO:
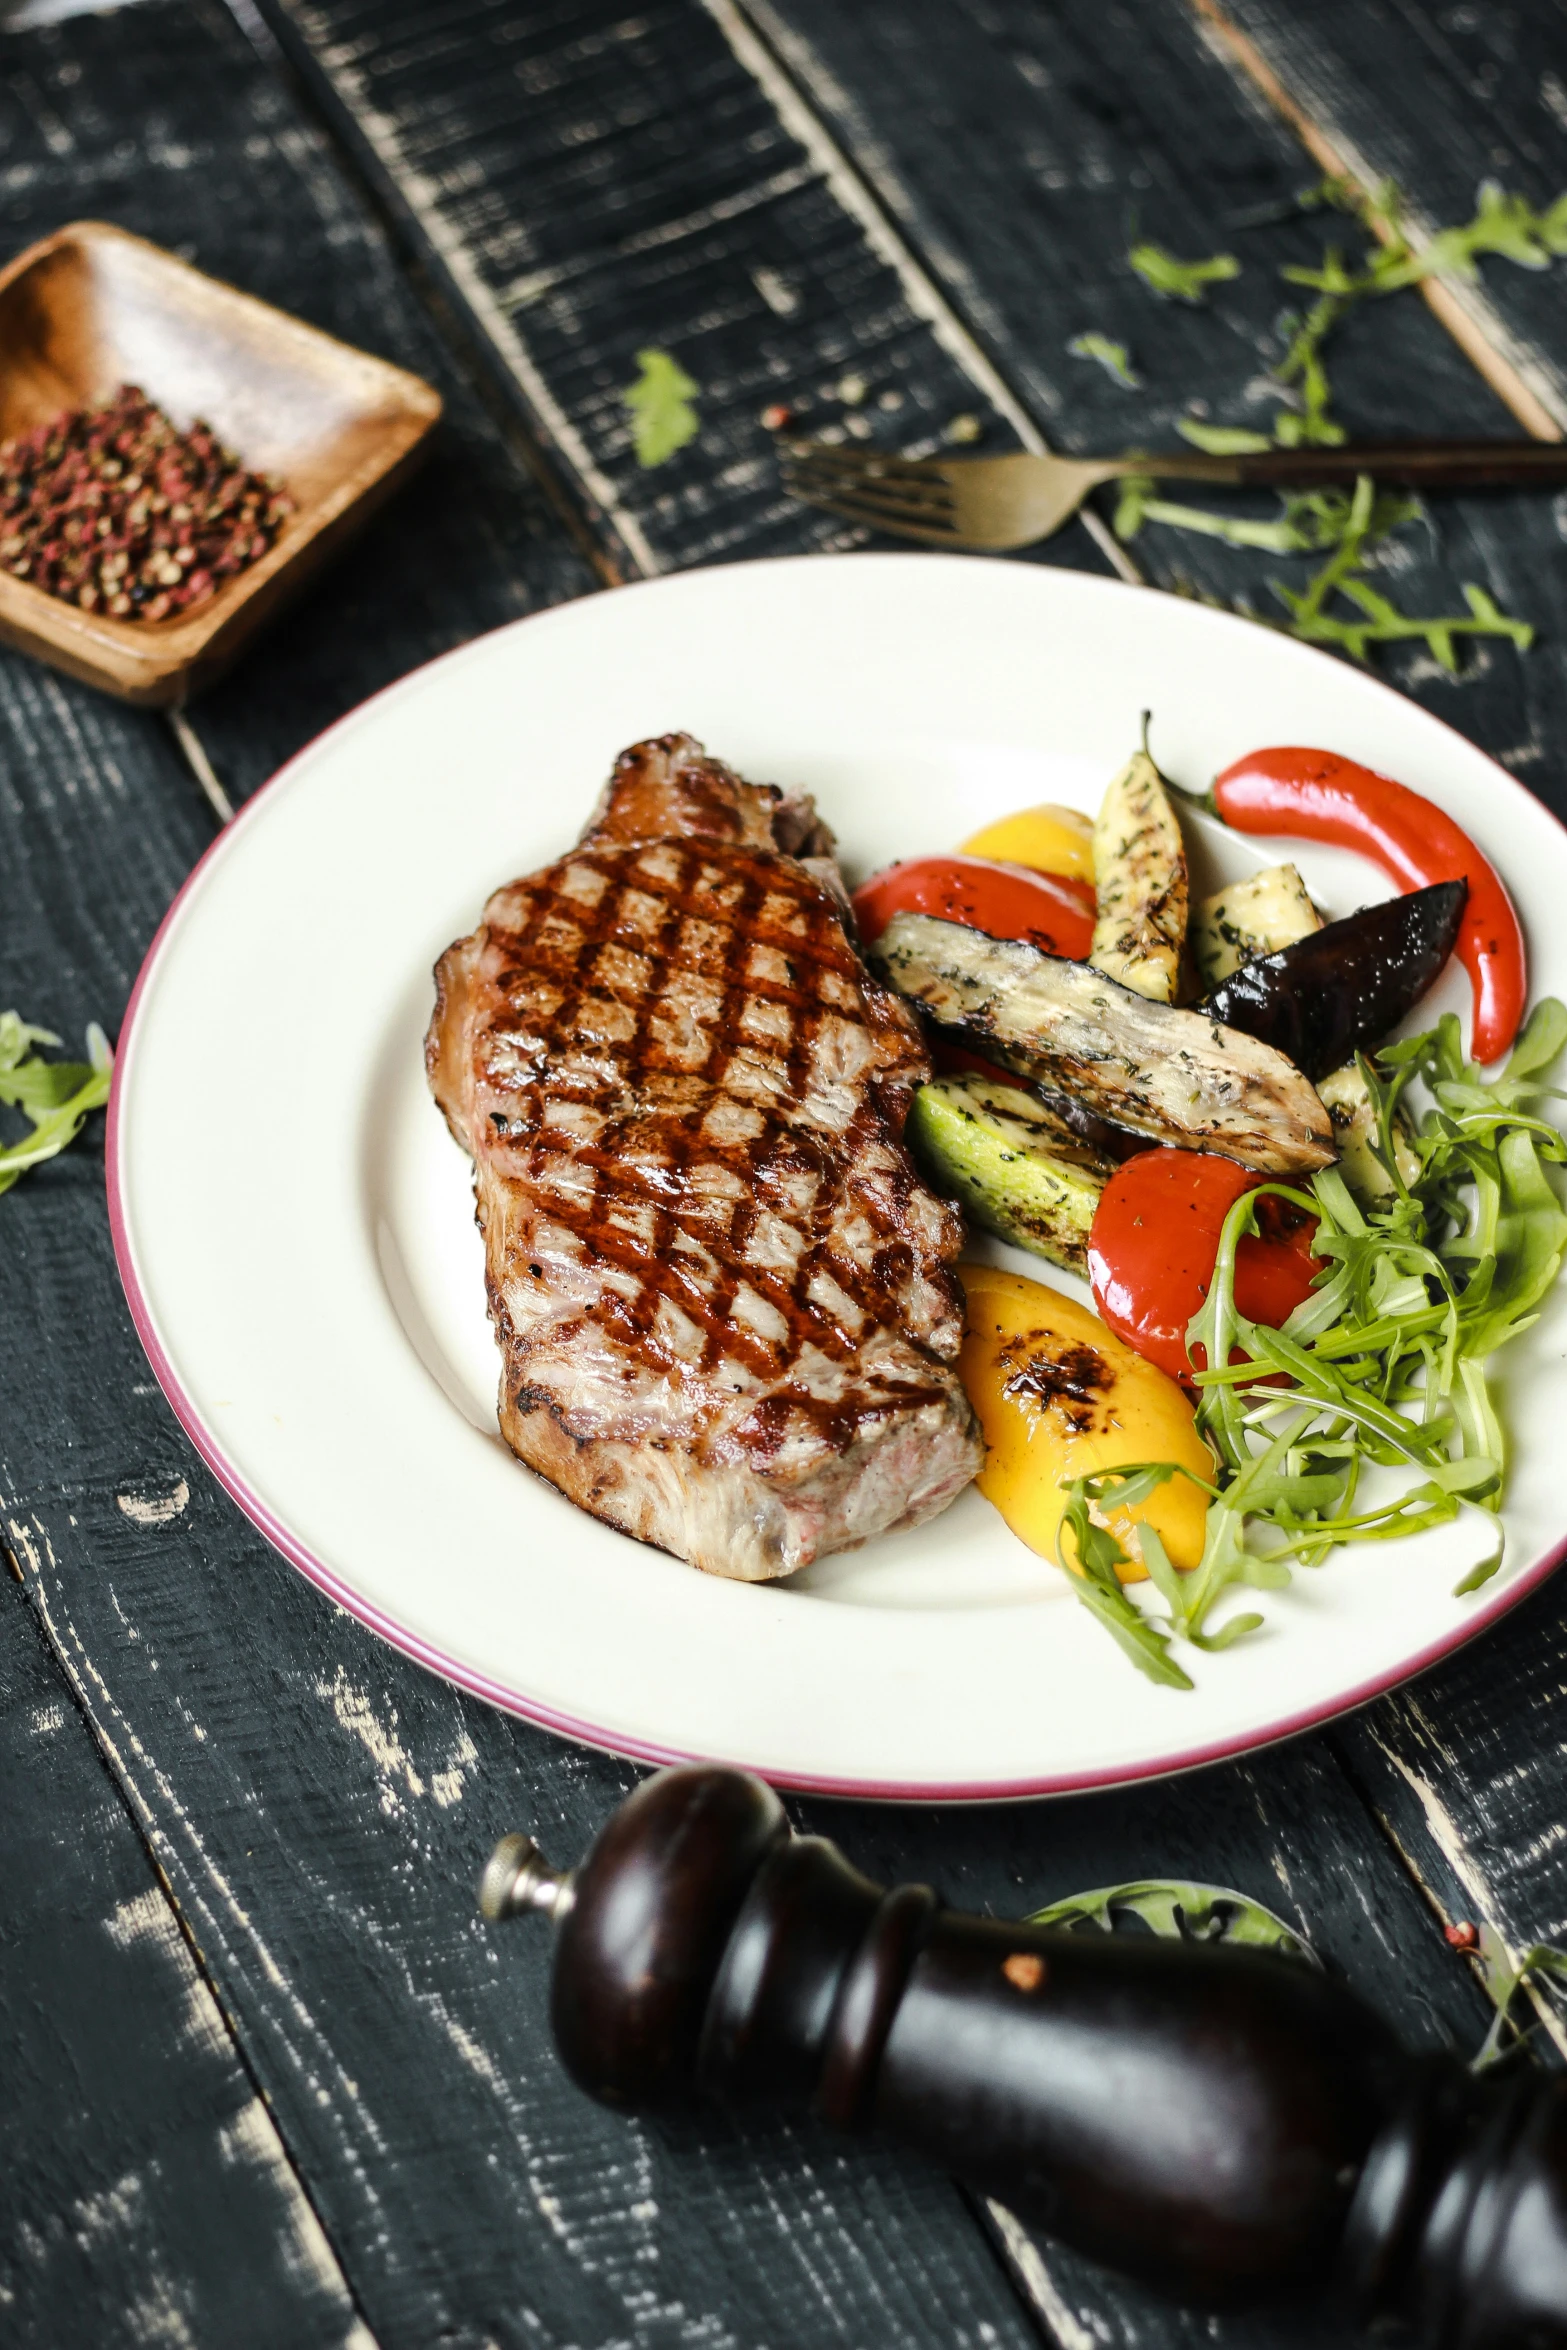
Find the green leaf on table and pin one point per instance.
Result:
(663, 418)
(1114, 358)
(55, 1095)
(1181, 1909)
(1221, 440)
(1180, 281)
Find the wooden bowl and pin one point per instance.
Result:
(92, 307)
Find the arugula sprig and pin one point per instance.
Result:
(1114, 358)
(1383, 1367)
(56, 1095)
(1096, 1553)
(1504, 225)
(1181, 281)
(1181, 1909)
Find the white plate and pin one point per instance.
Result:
(294, 1224)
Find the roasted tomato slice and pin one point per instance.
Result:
(1004, 901)
(1155, 1241)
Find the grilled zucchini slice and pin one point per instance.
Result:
(1348, 1101)
(993, 1149)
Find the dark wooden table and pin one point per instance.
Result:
(263, 2076)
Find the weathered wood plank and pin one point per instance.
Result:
(322, 1835)
(1438, 99)
(165, 123)
(148, 2196)
(587, 183)
(1022, 156)
(304, 1790)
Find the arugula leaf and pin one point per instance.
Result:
(56, 1095)
(1097, 1554)
(1385, 1362)
(1382, 622)
(1180, 281)
(660, 401)
(1114, 358)
(1177, 1907)
(1221, 440)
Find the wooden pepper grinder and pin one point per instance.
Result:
(1222, 2122)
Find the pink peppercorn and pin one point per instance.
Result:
(78, 518)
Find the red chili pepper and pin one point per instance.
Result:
(1316, 795)
(1005, 901)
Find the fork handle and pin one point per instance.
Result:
(1413, 465)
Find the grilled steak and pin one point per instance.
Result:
(722, 1296)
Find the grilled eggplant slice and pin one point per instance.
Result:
(1343, 989)
(1267, 910)
(996, 1150)
(1175, 1076)
(1139, 884)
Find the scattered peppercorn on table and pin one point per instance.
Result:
(267, 2080)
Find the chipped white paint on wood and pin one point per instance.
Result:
(924, 297)
(251, 2139)
(201, 766)
(1448, 1837)
(155, 1509)
(423, 197)
(1533, 387)
(1067, 2330)
(166, 1818)
(357, 1715)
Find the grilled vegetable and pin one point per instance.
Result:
(997, 1151)
(1348, 1101)
(1266, 911)
(1059, 1115)
(1155, 1243)
(1005, 901)
(1060, 1396)
(1341, 990)
(1052, 839)
(1177, 1076)
(1140, 884)
(1315, 795)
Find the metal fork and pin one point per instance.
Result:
(1012, 501)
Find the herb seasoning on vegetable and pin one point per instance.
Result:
(1316, 795)
(1338, 1320)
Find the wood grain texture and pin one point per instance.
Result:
(587, 183)
(1441, 99)
(163, 120)
(1022, 155)
(304, 1790)
(148, 2197)
(318, 1805)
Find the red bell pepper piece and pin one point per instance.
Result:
(1316, 795)
(1155, 1242)
(1005, 901)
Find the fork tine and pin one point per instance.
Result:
(929, 499)
(867, 464)
(939, 534)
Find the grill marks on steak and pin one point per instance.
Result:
(721, 1293)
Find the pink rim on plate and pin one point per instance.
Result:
(1178, 1758)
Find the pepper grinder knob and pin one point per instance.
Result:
(517, 1878)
